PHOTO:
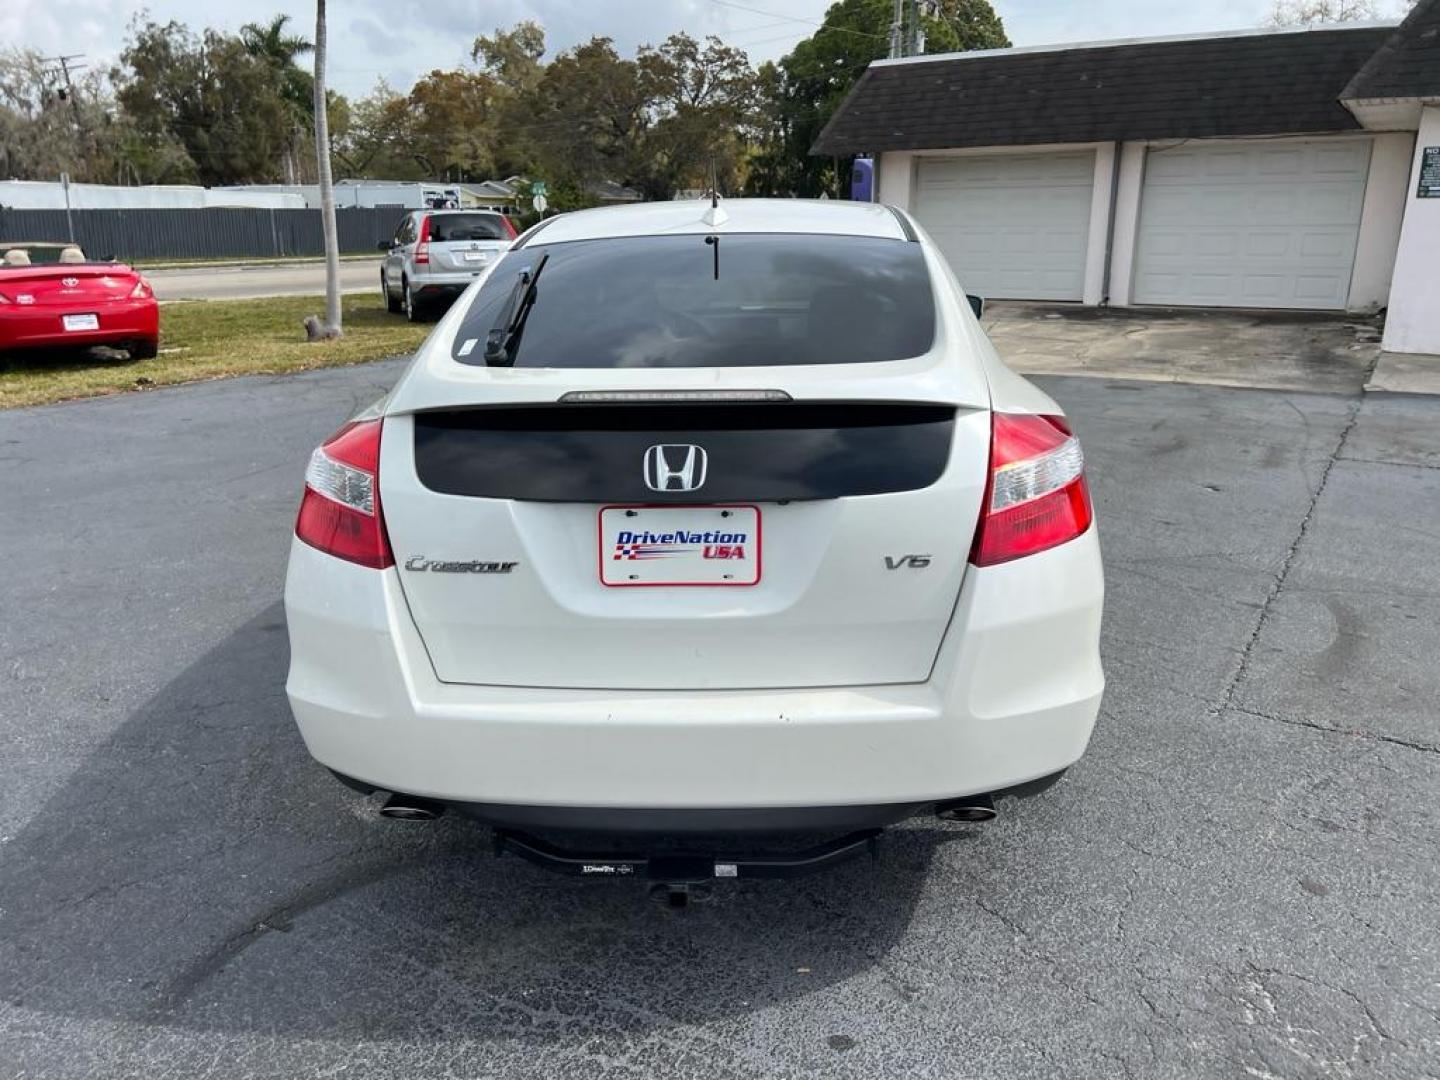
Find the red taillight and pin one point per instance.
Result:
(340, 511)
(509, 227)
(142, 290)
(422, 245)
(1036, 496)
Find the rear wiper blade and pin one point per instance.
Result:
(504, 336)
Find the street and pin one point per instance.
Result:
(1240, 879)
(248, 282)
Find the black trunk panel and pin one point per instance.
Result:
(765, 452)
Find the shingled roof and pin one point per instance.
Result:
(1235, 85)
(1407, 65)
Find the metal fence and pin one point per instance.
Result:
(212, 232)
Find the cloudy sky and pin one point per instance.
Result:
(398, 39)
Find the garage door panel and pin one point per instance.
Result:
(1269, 287)
(1321, 288)
(1224, 164)
(1019, 243)
(1332, 246)
(1280, 162)
(1329, 203)
(1342, 159)
(1211, 285)
(1251, 225)
(1277, 206)
(1260, 245)
(1224, 244)
(1065, 243)
(1011, 226)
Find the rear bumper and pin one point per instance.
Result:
(1013, 697)
(40, 327)
(710, 820)
(444, 282)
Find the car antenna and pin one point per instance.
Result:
(714, 216)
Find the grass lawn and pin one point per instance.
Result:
(213, 339)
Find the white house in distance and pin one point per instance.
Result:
(1294, 169)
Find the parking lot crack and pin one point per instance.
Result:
(1296, 721)
(1379, 461)
(1277, 585)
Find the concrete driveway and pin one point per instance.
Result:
(1241, 879)
(248, 282)
(1282, 350)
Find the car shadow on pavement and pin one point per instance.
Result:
(199, 869)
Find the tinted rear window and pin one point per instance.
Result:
(658, 302)
(446, 228)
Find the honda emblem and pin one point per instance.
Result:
(675, 467)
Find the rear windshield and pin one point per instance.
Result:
(445, 228)
(753, 300)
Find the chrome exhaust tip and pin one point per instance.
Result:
(971, 808)
(411, 808)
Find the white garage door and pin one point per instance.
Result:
(1257, 224)
(1012, 226)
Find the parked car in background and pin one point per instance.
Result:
(52, 296)
(435, 254)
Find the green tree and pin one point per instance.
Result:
(451, 128)
(375, 136)
(702, 104)
(587, 117)
(271, 43)
(814, 78)
(48, 127)
(655, 123)
(209, 94)
(512, 60)
(512, 57)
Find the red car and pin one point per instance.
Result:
(73, 302)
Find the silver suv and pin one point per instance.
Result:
(435, 254)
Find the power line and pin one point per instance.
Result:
(797, 19)
(66, 67)
(788, 36)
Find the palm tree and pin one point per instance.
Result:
(331, 326)
(269, 42)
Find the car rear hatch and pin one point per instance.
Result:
(642, 463)
(460, 242)
(532, 551)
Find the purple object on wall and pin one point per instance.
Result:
(862, 180)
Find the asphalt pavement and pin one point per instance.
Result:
(242, 281)
(1241, 879)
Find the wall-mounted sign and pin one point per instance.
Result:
(1429, 186)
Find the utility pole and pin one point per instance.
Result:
(67, 67)
(907, 30)
(69, 221)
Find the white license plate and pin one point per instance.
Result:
(81, 322)
(476, 256)
(679, 545)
